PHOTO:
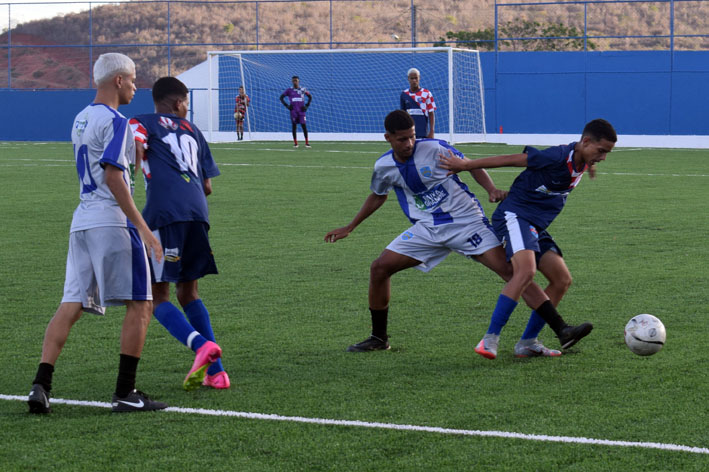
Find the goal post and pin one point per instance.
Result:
(352, 89)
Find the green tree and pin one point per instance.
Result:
(520, 35)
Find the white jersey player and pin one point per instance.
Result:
(107, 262)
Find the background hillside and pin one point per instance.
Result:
(55, 53)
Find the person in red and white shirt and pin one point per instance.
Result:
(418, 102)
(240, 103)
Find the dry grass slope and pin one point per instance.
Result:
(196, 28)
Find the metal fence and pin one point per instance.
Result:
(169, 37)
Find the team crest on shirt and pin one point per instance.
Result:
(426, 171)
(172, 254)
(80, 126)
(167, 123)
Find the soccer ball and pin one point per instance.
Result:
(645, 335)
(238, 115)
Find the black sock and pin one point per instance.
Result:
(44, 376)
(127, 368)
(379, 323)
(549, 314)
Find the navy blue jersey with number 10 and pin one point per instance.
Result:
(177, 160)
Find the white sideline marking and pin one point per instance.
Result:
(398, 427)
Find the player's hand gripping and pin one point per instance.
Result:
(453, 163)
(337, 234)
(497, 195)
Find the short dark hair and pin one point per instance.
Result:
(398, 120)
(295, 77)
(600, 129)
(168, 87)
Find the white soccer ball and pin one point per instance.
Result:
(238, 115)
(395, 36)
(645, 334)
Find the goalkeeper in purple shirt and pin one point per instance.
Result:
(297, 106)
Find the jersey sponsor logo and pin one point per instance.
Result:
(426, 171)
(167, 123)
(172, 254)
(431, 199)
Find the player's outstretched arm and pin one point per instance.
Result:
(455, 164)
(485, 181)
(371, 204)
(120, 191)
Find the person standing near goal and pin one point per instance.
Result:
(297, 107)
(241, 102)
(419, 103)
(178, 168)
(107, 262)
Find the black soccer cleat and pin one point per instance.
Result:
(38, 400)
(135, 401)
(573, 334)
(372, 343)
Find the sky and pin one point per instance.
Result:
(21, 11)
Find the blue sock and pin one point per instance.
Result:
(174, 321)
(199, 317)
(504, 308)
(534, 326)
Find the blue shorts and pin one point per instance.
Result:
(518, 234)
(187, 253)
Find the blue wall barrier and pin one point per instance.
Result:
(640, 92)
(47, 115)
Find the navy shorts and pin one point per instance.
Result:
(518, 234)
(187, 253)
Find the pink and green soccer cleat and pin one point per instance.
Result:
(206, 355)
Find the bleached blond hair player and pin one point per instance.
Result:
(107, 262)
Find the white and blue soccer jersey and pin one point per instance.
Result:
(425, 193)
(539, 193)
(176, 163)
(101, 137)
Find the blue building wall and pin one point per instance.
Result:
(640, 92)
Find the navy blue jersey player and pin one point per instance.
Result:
(536, 197)
(178, 168)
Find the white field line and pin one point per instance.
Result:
(394, 426)
(68, 162)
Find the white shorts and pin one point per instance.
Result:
(432, 244)
(106, 266)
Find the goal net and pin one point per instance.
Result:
(353, 90)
